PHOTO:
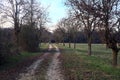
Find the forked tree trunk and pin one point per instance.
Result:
(114, 61)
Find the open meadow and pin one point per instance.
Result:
(78, 65)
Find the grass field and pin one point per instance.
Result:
(79, 66)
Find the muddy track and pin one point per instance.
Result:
(54, 71)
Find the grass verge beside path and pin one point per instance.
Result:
(18, 63)
(78, 66)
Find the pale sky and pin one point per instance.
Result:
(57, 10)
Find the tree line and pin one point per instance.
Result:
(80, 38)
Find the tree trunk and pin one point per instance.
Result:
(69, 44)
(40, 44)
(106, 47)
(74, 45)
(17, 43)
(89, 45)
(114, 61)
(17, 30)
(63, 43)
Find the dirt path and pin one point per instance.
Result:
(54, 71)
(31, 70)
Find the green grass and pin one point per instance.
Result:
(98, 50)
(44, 45)
(14, 60)
(79, 66)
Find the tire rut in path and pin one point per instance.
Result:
(54, 71)
(30, 75)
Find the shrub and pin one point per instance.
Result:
(29, 38)
(6, 44)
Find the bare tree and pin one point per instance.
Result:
(61, 26)
(41, 20)
(83, 11)
(109, 13)
(23, 12)
(75, 30)
(66, 24)
(58, 35)
(13, 10)
(35, 14)
(75, 27)
(35, 18)
(45, 35)
(69, 27)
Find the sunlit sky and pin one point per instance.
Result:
(56, 9)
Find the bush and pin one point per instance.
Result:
(6, 44)
(29, 38)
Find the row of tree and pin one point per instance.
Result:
(89, 16)
(80, 38)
